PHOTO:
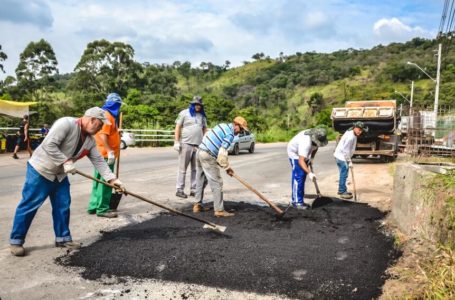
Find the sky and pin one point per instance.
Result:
(164, 31)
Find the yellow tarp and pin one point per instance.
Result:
(14, 108)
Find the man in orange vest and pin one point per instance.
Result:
(108, 144)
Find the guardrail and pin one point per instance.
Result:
(151, 135)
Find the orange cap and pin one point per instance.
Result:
(241, 122)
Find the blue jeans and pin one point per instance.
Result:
(36, 190)
(343, 167)
(297, 182)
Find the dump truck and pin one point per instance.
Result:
(382, 139)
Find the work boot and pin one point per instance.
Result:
(181, 194)
(223, 213)
(69, 245)
(108, 214)
(17, 250)
(345, 195)
(15, 156)
(197, 208)
(192, 194)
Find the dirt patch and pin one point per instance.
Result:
(333, 251)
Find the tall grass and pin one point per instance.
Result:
(285, 135)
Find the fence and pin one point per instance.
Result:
(427, 135)
(141, 137)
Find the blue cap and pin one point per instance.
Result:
(114, 97)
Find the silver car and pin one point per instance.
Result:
(126, 139)
(243, 141)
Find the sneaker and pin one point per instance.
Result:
(181, 194)
(91, 212)
(15, 156)
(346, 195)
(300, 206)
(192, 194)
(17, 250)
(199, 207)
(109, 214)
(223, 213)
(349, 193)
(69, 245)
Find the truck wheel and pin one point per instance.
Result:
(123, 145)
(251, 150)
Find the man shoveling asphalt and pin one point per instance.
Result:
(69, 140)
(343, 155)
(211, 155)
(301, 150)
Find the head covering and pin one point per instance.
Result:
(361, 125)
(318, 136)
(241, 122)
(112, 105)
(197, 100)
(96, 112)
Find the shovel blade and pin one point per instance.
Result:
(115, 200)
(215, 227)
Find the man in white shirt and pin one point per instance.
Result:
(343, 154)
(301, 150)
(190, 127)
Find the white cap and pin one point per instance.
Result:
(96, 112)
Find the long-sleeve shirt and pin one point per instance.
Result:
(59, 146)
(221, 135)
(346, 146)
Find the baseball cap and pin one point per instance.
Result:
(241, 122)
(96, 112)
(197, 100)
(361, 125)
(114, 97)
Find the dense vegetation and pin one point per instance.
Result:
(278, 96)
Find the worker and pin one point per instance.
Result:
(211, 155)
(68, 140)
(343, 155)
(23, 137)
(301, 150)
(191, 125)
(108, 145)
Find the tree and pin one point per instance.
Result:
(258, 56)
(316, 102)
(37, 68)
(106, 67)
(3, 57)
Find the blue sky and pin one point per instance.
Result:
(163, 31)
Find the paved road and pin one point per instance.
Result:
(147, 171)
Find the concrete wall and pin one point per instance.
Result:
(413, 202)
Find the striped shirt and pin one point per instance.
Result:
(221, 135)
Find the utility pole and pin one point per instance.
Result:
(436, 94)
(412, 98)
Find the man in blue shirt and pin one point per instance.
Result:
(211, 155)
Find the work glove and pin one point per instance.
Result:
(119, 185)
(177, 146)
(110, 157)
(312, 176)
(222, 158)
(69, 168)
(350, 164)
(230, 171)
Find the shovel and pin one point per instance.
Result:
(271, 204)
(207, 224)
(116, 196)
(353, 183)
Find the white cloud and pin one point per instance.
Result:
(393, 30)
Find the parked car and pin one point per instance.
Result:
(126, 139)
(243, 141)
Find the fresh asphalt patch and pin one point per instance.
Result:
(336, 250)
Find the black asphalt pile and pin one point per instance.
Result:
(333, 251)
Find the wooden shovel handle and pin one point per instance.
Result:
(117, 171)
(271, 204)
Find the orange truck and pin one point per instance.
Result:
(382, 139)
